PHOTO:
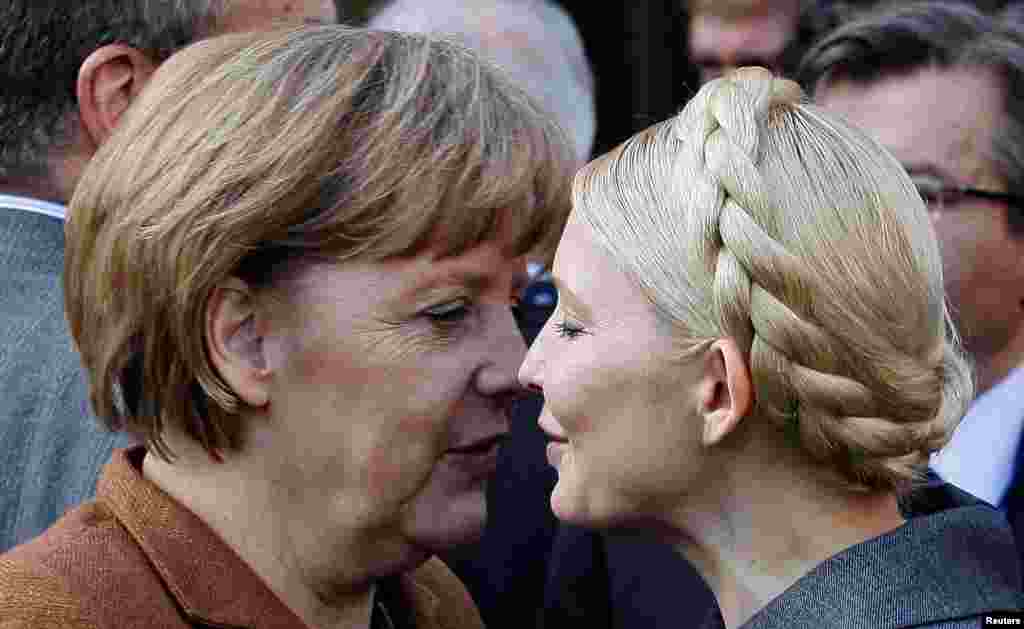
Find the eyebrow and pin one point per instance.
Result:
(571, 301)
(473, 280)
(316, 21)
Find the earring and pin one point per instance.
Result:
(792, 418)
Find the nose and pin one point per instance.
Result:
(504, 354)
(530, 370)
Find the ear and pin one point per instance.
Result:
(235, 329)
(725, 390)
(108, 81)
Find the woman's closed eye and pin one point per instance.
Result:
(449, 313)
(569, 330)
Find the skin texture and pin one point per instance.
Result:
(368, 394)
(665, 445)
(718, 43)
(250, 15)
(612, 390)
(360, 379)
(983, 263)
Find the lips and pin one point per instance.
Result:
(556, 438)
(479, 446)
(551, 427)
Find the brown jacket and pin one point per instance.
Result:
(135, 558)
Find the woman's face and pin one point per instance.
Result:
(626, 438)
(388, 398)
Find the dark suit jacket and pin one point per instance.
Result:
(51, 448)
(954, 561)
(137, 559)
(1013, 501)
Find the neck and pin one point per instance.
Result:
(56, 182)
(35, 189)
(992, 369)
(319, 581)
(745, 541)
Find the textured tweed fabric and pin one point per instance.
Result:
(135, 558)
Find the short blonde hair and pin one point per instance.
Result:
(755, 215)
(248, 155)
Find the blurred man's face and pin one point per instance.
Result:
(252, 15)
(757, 38)
(940, 124)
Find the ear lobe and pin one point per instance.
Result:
(108, 81)
(726, 395)
(234, 341)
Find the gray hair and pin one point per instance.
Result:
(533, 41)
(45, 44)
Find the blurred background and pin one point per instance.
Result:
(638, 50)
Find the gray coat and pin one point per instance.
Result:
(953, 562)
(51, 447)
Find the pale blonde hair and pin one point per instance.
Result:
(252, 155)
(757, 216)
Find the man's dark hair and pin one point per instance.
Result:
(816, 19)
(903, 39)
(44, 42)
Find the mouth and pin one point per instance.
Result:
(551, 428)
(556, 438)
(479, 447)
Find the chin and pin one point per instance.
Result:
(596, 510)
(439, 528)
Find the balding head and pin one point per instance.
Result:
(533, 41)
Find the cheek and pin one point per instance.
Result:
(964, 236)
(570, 399)
(399, 464)
(592, 396)
(389, 420)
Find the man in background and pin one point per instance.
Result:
(726, 34)
(941, 85)
(69, 70)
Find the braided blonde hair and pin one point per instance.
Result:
(755, 215)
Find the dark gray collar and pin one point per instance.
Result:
(954, 558)
(31, 240)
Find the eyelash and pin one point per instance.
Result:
(448, 314)
(568, 330)
(452, 313)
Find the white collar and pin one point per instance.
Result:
(29, 204)
(981, 456)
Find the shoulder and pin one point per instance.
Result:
(31, 239)
(971, 622)
(435, 590)
(83, 572)
(34, 596)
